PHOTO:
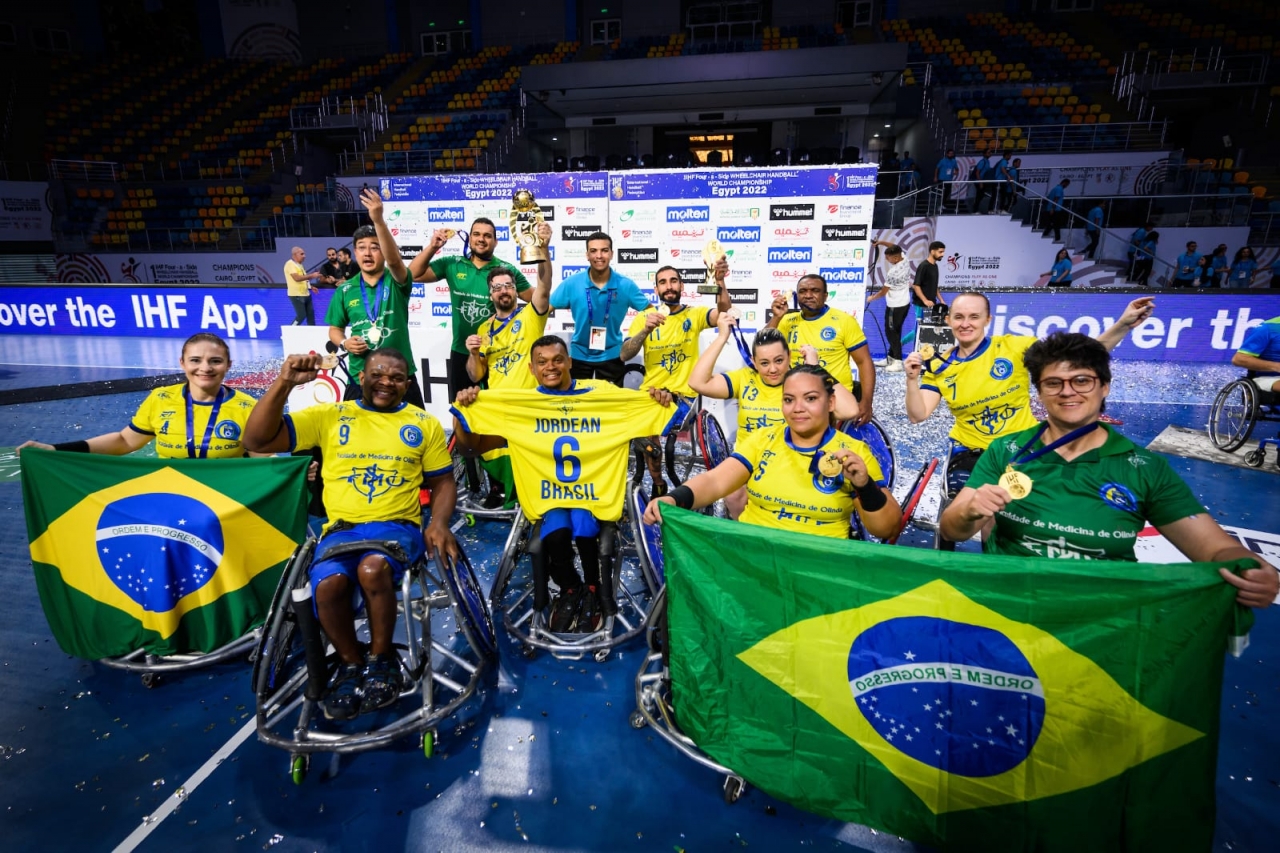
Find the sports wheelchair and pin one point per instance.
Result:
(698, 445)
(1236, 411)
(151, 667)
(474, 486)
(448, 641)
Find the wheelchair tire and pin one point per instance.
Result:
(682, 457)
(1233, 415)
(1254, 458)
(465, 589)
(712, 443)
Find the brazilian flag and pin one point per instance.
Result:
(166, 555)
(962, 701)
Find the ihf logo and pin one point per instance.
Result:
(958, 697)
(743, 234)
(843, 275)
(447, 214)
(159, 548)
(790, 255)
(689, 214)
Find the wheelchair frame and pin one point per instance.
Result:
(280, 691)
(150, 667)
(1254, 406)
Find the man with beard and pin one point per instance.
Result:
(835, 335)
(467, 278)
(668, 335)
(366, 500)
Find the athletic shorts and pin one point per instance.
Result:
(408, 534)
(1264, 383)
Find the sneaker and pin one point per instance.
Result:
(590, 617)
(342, 699)
(494, 499)
(564, 610)
(894, 366)
(382, 682)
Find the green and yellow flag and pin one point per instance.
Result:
(167, 555)
(959, 700)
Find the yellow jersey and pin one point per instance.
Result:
(188, 429)
(505, 346)
(672, 348)
(295, 287)
(787, 492)
(989, 392)
(569, 448)
(374, 461)
(833, 333)
(759, 405)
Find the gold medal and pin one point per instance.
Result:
(449, 234)
(829, 466)
(926, 351)
(328, 362)
(373, 335)
(1016, 483)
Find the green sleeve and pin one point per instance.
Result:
(440, 266)
(1165, 497)
(336, 313)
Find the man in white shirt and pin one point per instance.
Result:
(896, 291)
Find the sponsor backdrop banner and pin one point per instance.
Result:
(24, 211)
(775, 225)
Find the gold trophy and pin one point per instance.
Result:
(526, 216)
(711, 255)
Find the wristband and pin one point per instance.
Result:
(73, 446)
(870, 497)
(683, 496)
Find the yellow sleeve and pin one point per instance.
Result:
(309, 427)
(483, 417)
(144, 419)
(853, 335)
(747, 448)
(435, 456)
(702, 320)
(637, 323)
(1019, 344)
(873, 465)
(644, 416)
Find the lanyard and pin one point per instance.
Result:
(493, 333)
(191, 424)
(743, 349)
(374, 314)
(591, 306)
(951, 356)
(1022, 456)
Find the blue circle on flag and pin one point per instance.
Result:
(828, 333)
(159, 547)
(227, 430)
(1001, 368)
(411, 435)
(958, 697)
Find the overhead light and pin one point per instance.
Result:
(555, 139)
(877, 136)
(888, 125)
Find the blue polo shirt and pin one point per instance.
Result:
(1094, 219)
(1061, 272)
(1056, 195)
(1186, 266)
(947, 169)
(1135, 239)
(1263, 342)
(597, 306)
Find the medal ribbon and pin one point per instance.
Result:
(191, 424)
(741, 341)
(493, 333)
(374, 314)
(1023, 456)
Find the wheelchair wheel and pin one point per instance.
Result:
(711, 440)
(874, 436)
(465, 589)
(1234, 412)
(681, 454)
(275, 646)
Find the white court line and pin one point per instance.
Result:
(172, 802)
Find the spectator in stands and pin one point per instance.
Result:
(330, 270)
(1009, 190)
(1220, 265)
(945, 172)
(1186, 267)
(1243, 268)
(1204, 271)
(979, 175)
(1093, 228)
(1055, 211)
(1145, 257)
(897, 301)
(1060, 274)
(1135, 243)
(598, 298)
(299, 287)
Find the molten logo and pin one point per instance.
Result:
(790, 255)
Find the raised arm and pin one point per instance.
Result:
(1137, 311)
(631, 346)
(477, 363)
(420, 266)
(541, 297)
(920, 402)
(386, 242)
(702, 378)
(723, 301)
(264, 432)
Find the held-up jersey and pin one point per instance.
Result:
(374, 461)
(759, 405)
(1091, 508)
(506, 347)
(989, 392)
(833, 333)
(672, 348)
(164, 415)
(569, 448)
(787, 492)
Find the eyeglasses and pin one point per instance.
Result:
(1082, 384)
(496, 288)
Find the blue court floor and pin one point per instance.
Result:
(544, 760)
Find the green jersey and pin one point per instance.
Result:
(379, 314)
(1090, 508)
(469, 293)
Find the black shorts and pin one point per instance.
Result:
(959, 467)
(611, 370)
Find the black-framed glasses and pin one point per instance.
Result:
(1082, 384)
